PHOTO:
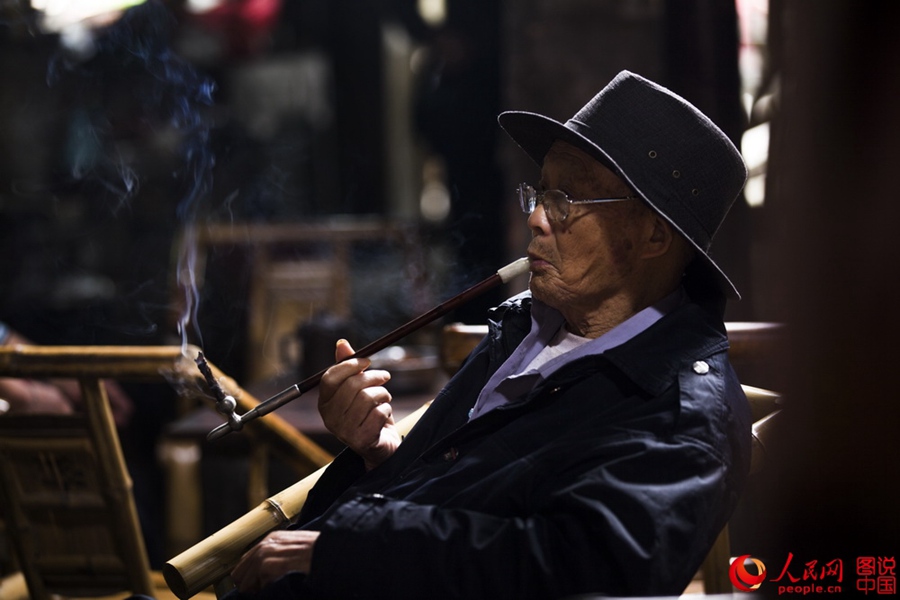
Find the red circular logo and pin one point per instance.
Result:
(743, 579)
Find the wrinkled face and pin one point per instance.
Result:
(589, 259)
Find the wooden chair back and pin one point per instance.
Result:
(68, 503)
(65, 491)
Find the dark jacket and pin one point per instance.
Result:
(614, 476)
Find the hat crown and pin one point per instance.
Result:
(669, 151)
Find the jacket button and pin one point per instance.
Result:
(450, 455)
(701, 367)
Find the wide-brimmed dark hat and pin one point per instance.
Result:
(669, 152)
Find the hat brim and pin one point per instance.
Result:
(535, 134)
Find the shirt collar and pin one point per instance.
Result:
(546, 321)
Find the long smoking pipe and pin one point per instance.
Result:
(236, 422)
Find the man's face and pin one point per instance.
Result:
(580, 264)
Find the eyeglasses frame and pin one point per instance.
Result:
(529, 197)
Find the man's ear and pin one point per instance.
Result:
(660, 236)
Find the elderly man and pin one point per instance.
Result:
(597, 440)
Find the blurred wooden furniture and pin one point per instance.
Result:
(68, 504)
(66, 491)
(296, 271)
(751, 343)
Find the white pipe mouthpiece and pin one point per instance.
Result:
(514, 269)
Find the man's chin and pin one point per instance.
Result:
(539, 291)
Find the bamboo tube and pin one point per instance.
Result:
(212, 559)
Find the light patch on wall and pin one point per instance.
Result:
(202, 6)
(58, 15)
(755, 149)
(433, 12)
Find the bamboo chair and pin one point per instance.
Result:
(64, 486)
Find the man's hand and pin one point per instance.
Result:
(276, 555)
(356, 408)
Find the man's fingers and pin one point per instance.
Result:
(346, 411)
(275, 556)
(367, 400)
(355, 406)
(345, 384)
(338, 374)
(243, 573)
(342, 369)
(376, 419)
(343, 350)
(366, 436)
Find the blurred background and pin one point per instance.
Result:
(259, 177)
(137, 133)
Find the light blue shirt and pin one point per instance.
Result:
(512, 381)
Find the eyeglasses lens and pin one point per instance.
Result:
(555, 203)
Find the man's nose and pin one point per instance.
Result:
(538, 222)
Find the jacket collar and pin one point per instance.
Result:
(651, 359)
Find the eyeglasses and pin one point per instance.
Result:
(556, 203)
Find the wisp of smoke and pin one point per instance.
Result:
(169, 95)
